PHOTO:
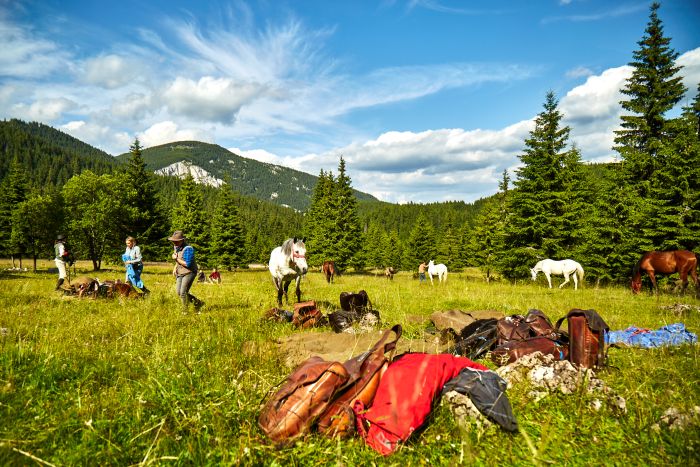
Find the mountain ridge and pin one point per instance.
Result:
(213, 164)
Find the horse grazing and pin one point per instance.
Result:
(328, 270)
(288, 263)
(683, 262)
(439, 270)
(565, 267)
(389, 273)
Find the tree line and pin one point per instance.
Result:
(602, 215)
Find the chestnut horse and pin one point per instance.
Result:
(328, 270)
(683, 262)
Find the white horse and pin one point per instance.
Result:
(439, 270)
(288, 263)
(566, 267)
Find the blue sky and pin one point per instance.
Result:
(427, 100)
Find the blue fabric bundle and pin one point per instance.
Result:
(673, 334)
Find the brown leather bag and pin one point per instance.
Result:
(306, 315)
(302, 398)
(586, 337)
(519, 327)
(513, 350)
(367, 369)
(357, 303)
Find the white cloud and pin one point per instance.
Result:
(43, 110)
(134, 106)
(261, 155)
(102, 137)
(168, 131)
(26, 55)
(690, 61)
(579, 72)
(212, 99)
(110, 71)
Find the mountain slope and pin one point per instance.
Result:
(213, 164)
(50, 156)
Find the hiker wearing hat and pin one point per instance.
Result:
(185, 269)
(62, 258)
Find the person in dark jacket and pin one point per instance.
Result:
(185, 270)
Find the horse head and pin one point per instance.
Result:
(533, 272)
(636, 286)
(298, 256)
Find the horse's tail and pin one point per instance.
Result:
(579, 271)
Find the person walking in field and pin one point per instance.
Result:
(133, 261)
(185, 270)
(62, 259)
(421, 272)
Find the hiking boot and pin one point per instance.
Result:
(198, 306)
(59, 283)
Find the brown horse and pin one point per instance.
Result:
(683, 262)
(328, 270)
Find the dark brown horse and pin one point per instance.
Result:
(683, 262)
(328, 270)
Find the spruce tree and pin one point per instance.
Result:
(347, 226)
(448, 248)
(485, 241)
(375, 254)
(675, 187)
(189, 216)
(538, 204)
(653, 89)
(13, 190)
(393, 249)
(420, 246)
(318, 222)
(227, 234)
(149, 226)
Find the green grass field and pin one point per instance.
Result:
(110, 382)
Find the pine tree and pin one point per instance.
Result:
(393, 249)
(347, 226)
(448, 249)
(375, 253)
(318, 222)
(150, 225)
(539, 202)
(485, 241)
(420, 246)
(653, 89)
(13, 190)
(675, 187)
(227, 235)
(190, 217)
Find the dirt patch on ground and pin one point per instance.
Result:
(340, 347)
(458, 319)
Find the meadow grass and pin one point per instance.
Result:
(123, 382)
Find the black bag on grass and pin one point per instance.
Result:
(477, 338)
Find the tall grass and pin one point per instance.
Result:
(126, 382)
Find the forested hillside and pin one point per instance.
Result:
(267, 182)
(49, 156)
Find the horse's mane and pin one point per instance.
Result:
(289, 244)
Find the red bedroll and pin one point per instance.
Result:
(405, 397)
